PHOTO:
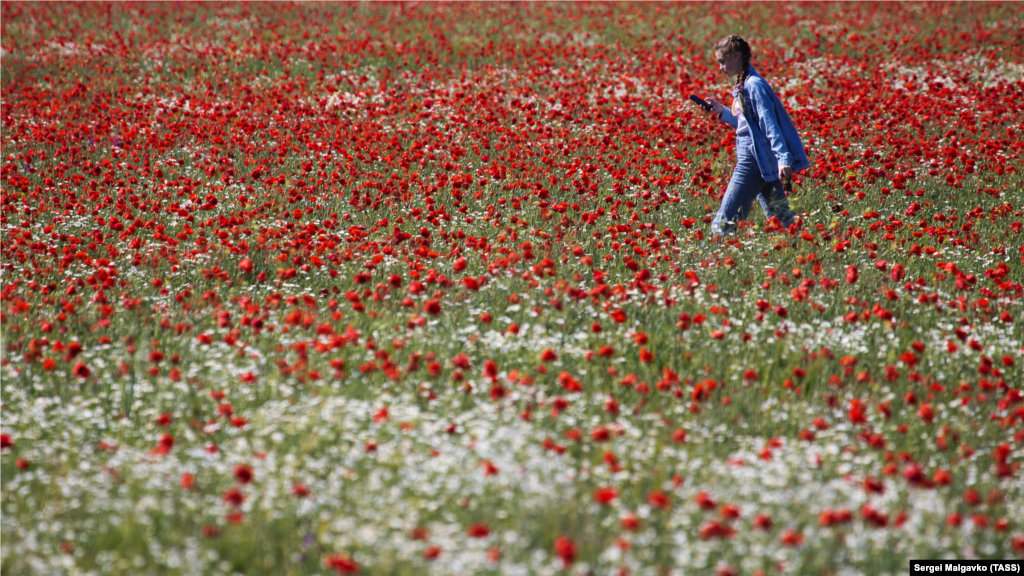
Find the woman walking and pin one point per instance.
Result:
(768, 148)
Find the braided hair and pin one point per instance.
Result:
(733, 44)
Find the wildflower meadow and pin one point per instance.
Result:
(402, 289)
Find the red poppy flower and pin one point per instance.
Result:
(478, 530)
(341, 563)
(605, 496)
(926, 413)
(234, 497)
(715, 529)
(679, 435)
(489, 468)
(762, 521)
(164, 446)
(81, 370)
(243, 473)
(432, 307)
(461, 361)
(565, 549)
(791, 537)
(630, 522)
(705, 501)
(659, 499)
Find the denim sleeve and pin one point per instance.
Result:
(728, 117)
(766, 112)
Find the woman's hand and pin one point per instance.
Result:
(716, 106)
(785, 172)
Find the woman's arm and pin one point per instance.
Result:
(723, 113)
(764, 104)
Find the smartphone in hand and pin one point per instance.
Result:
(700, 102)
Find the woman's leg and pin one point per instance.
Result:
(744, 186)
(774, 202)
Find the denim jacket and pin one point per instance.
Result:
(782, 145)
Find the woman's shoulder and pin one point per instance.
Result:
(756, 82)
(758, 87)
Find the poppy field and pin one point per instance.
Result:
(302, 289)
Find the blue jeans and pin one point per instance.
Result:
(745, 185)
